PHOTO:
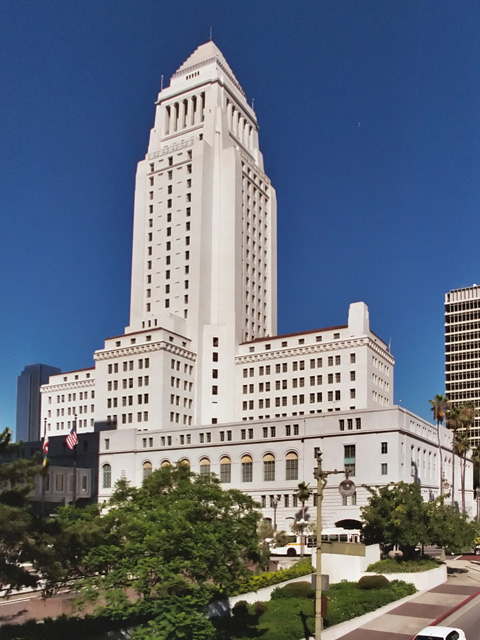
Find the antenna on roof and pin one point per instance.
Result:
(211, 30)
(161, 83)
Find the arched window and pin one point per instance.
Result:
(185, 461)
(247, 468)
(204, 467)
(268, 467)
(291, 466)
(225, 469)
(165, 463)
(147, 469)
(107, 476)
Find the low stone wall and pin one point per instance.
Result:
(423, 580)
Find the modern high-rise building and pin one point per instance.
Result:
(28, 426)
(200, 374)
(462, 350)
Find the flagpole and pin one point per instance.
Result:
(74, 492)
(44, 470)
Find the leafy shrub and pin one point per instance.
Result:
(240, 608)
(394, 565)
(260, 607)
(301, 568)
(373, 582)
(278, 593)
(299, 590)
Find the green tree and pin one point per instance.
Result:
(302, 493)
(395, 516)
(439, 407)
(168, 547)
(448, 528)
(19, 539)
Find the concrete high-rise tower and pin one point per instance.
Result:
(204, 243)
(462, 350)
(28, 425)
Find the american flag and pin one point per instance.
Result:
(45, 445)
(72, 439)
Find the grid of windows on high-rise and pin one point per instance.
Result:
(168, 227)
(305, 389)
(255, 234)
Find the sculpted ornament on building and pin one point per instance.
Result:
(62, 386)
(304, 350)
(112, 354)
(177, 146)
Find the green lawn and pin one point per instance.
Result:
(291, 618)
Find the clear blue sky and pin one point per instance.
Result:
(369, 116)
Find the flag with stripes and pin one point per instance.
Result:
(72, 439)
(45, 449)
(45, 444)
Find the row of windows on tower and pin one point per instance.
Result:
(127, 383)
(127, 401)
(72, 411)
(460, 337)
(465, 366)
(296, 382)
(142, 363)
(284, 401)
(72, 397)
(80, 424)
(297, 365)
(463, 346)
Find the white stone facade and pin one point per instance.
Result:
(200, 374)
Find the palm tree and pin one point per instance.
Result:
(461, 447)
(439, 404)
(454, 423)
(303, 493)
(467, 419)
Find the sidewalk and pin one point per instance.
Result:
(402, 621)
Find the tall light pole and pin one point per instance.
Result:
(275, 505)
(346, 488)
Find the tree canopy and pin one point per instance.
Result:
(166, 549)
(18, 545)
(397, 515)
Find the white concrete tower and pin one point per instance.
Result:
(204, 242)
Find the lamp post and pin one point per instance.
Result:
(275, 501)
(346, 488)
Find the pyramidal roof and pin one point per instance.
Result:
(204, 54)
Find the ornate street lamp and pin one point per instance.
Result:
(346, 488)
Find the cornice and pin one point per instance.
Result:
(302, 350)
(121, 352)
(71, 384)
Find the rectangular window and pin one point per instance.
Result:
(384, 468)
(268, 470)
(225, 472)
(349, 459)
(291, 468)
(247, 471)
(384, 447)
